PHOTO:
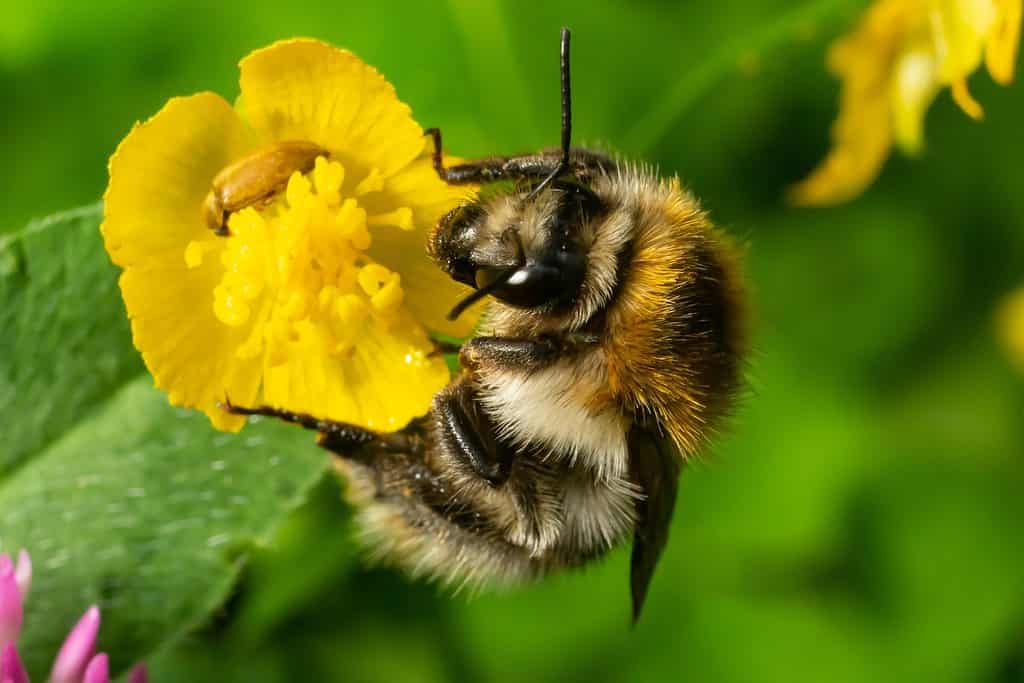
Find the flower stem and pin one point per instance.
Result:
(648, 130)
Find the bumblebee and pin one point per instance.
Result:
(609, 353)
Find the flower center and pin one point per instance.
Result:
(296, 267)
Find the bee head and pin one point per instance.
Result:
(522, 248)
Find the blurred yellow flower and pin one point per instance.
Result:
(892, 65)
(319, 295)
(1010, 327)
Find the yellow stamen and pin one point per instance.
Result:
(372, 277)
(373, 182)
(195, 251)
(351, 221)
(390, 296)
(296, 272)
(328, 178)
(401, 217)
(298, 191)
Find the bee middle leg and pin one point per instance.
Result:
(468, 435)
(508, 483)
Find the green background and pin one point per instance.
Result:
(862, 518)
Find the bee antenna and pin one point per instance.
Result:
(563, 164)
(566, 97)
(461, 307)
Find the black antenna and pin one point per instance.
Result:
(566, 97)
(563, 164)
(468, 301)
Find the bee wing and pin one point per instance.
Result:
(655, 467)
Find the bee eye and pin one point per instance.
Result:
(537, 284)
(453, 240)
(526, 287)
(462, 216)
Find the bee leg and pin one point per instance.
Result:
(508, 352)
(491, 169)
(504, 353)
(442, 348)
(582, 163)
(338, 437)
(466, 434)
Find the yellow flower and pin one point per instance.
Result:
(1010, 327)
(892, 66)
(320, 296)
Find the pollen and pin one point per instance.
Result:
(298, 267)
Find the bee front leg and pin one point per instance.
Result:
(582, 163)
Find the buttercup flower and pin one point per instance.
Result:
(892, 66)
(273, 252)
(77, 661)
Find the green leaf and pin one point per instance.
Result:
(122, 500)
(65, 341)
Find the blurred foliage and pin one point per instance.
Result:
(863, 518)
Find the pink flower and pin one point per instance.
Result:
(77, 661)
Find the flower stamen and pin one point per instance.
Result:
(307, 244)
(373, 182)
(401, 217)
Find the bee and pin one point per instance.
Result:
(610, 351)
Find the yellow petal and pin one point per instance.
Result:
(153, 228)
(191, 355)
(959, 29)
(913, 88)
(1003, 41)
(863, 131)
(386, 380)
(307, 90)
(160, 176)
(861, 139)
